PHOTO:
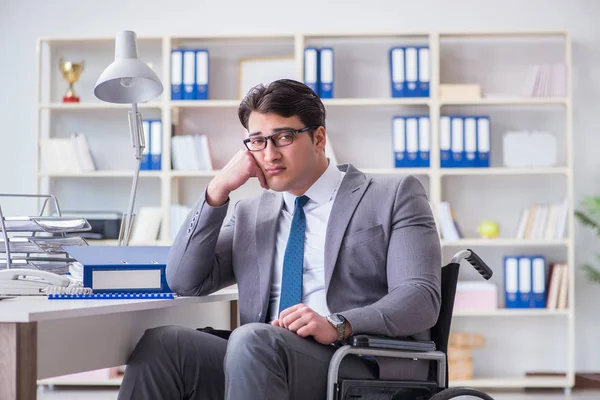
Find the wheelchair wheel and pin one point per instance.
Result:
(452, 393)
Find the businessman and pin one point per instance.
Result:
(323, 252)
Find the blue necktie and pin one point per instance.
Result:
(293, 260)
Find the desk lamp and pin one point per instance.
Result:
(129, 80)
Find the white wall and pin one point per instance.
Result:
(23, 21)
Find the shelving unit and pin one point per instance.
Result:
(362, 107)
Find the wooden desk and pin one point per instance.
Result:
(41, 338)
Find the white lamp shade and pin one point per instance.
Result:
(127, 79)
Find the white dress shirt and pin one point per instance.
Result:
(317, 210)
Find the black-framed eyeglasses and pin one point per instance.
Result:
(279, 139)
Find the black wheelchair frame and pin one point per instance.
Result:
(436, 385)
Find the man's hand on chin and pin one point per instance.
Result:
(306, 322)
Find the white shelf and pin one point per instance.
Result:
(514, 312)
(504, 242)
(194, 174)
(101, 174)
(204, 103)
(217, 117)
(397, 171)
(95, 106)
(349, 102)
(75, 382)
(533, 382)
(504, 171)
(508, 101)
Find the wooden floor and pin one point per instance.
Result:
(73, 394)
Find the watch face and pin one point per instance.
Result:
(337, 319)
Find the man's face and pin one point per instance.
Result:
(292, 168)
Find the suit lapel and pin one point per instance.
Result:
(350, 192)
(265, 238)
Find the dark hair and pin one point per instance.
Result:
(284, 97)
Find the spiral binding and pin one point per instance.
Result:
(110, 296)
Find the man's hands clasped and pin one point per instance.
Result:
(305, 322)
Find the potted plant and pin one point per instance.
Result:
(589, 216)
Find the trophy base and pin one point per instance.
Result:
(73, 99)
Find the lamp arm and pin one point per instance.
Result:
(137, 140)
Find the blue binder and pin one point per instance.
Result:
(146, 165)
(445, 142)
(326, 77)
(155, 144)
(483, 142)
(424, 142)
(411, 72)
(202, 74)
(189, 74)
(312, 69)
(470, 142)
(424, 72)
(511, 282)
(399, 142)
(457, 142)
(538, 281)
(525, 286)
(176, 74)
(123, 269)
(397, 71)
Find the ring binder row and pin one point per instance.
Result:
(409, 71)
(464, 141)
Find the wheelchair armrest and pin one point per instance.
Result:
(382, 342)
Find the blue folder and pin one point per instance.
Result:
(143, 267)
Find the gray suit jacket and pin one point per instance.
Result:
(382, 254)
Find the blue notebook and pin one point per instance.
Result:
(110, 296)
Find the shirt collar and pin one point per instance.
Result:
(321, 191)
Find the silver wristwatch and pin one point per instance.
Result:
(339, 323)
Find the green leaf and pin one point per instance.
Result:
(592, 206)
(587, 221)
(592, 273)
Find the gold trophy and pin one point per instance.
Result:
(71, 72)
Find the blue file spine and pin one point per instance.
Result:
(397, 71)
(202, 74)
(176, 74)
(155, 145)
(511, 282)
(189, 71)
(470, 142)
(146, 165)
(524, 282)
(457, 139)
(538, 274)
(424, 139)
(445, 153)
(424, 72)
(312, 69)
(399, 141)
(483, 142)
(411, 71)
(326, 75)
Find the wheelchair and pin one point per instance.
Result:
(436, 385)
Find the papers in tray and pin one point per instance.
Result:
(41, 244)
(46, 224)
